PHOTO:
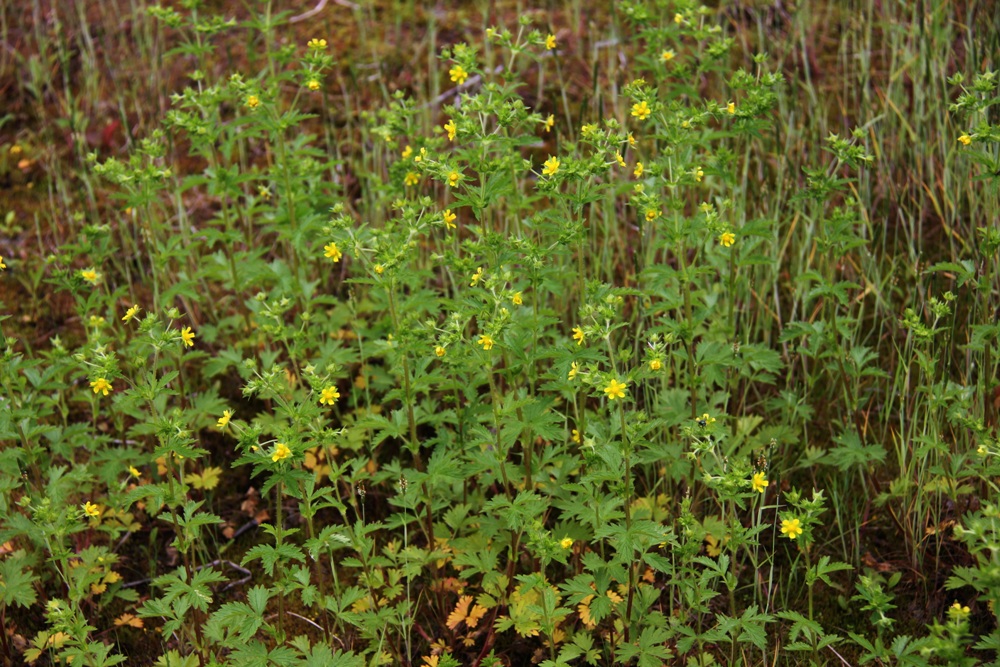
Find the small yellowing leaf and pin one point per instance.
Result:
(128, 619)
(477, 612)
(207, 480)
(97, 589)
(460, 612)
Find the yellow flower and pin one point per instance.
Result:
(379, 269)
(588, 129)
(90, 509)
(619, 159)
(550, 122)
(678, 19)
(449, 219)
(132, 470)
(102, 386)
(281, 451)
(615, 389)
(667, 56)
(706, 420)
(187, 336)
(651, 214)
(458, 74)
(516, 299)
(411, 179)
(96, 320)
(90, 275)
(131, 312)
(476, 276)
(655, 364)
(453, 178)
(705, 207)
(224, 419)
(486, 341)
(566, 543)
(574, 368)
(329, 395)
(791, 528)
(631, 140)
(550, 42)
(2, 265)
(576, 437)
(641, 110)
(313, 84)
(965, 139)
(759, 482)
(451, 129)
(578, 335)
(252, 102)
(727, 239)
(957, 612)
(698, 174)
(638, 170)
(551, 166)
(407, 152)
(316, 44)
(332, 251)
(731, 108)
(264, 193)
(439, 351)
(423, 154)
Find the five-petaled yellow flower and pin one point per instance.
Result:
(667, 56)
(101, 386)
(641, 110)
(476, 276)
(90, 509)
(453, 178)
(407, 152)
(965, 139)
(224, 419)
(791, 528)
(132, 470)
(619, 159)
(759, 482)
(615, 389)
(281, 451)
(550, 42)
(576, 437)
(458, 74)
(698, 174)
(678, 19)
(187, 335)
(731, 108)
(655, 364)
(316, 44)
(449, 219)
(516, 299)
(252, 102)
(411, 179)
(726, 239)
(551, 166)
(651, 214)
(486, 341)
(2, 265)
(451, 129)
(131, 312)
(379, 269)
(90, 275)
(439, 350)
(331, 251)
(313, 84)
(329, 395)
(574, 368)
(550, 122)
(566, 542)
(638, 169)
(578, 335)
(706, 419)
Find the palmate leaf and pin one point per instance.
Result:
(270, 555)
(16, 582)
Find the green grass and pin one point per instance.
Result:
(391, 396)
